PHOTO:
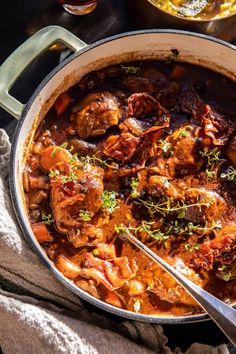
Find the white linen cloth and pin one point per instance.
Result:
(38, 315)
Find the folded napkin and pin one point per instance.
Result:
(38, 315)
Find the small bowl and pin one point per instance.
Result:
(151, 16)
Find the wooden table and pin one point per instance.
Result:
(21, 18)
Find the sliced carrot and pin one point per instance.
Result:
(53, 156)
(62, 103)
(178, 71)
(67, 267)
(113, 299)
(41, 232)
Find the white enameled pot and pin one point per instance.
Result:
(151, 44)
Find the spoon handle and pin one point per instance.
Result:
(223, 315)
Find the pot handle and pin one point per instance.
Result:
(18, 61)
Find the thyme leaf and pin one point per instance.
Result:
(230, 174)
(64, 145)
(109, 201)
(47, 219)
(191, 247)
(54, 173)
(130, 69)
(85, 215)
(183, 133)
(211, 155)
(164, 145)
(134, 185)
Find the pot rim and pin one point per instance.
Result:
(16, 205)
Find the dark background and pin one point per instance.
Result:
(21, 18)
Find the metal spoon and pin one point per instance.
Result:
(222, 314)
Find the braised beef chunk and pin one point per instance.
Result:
(141, 105)
(96, 113)
(192, 103)
(221, 251)
(121, 147)
(214, 125)
(147, 148)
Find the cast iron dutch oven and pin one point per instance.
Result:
(151, 44)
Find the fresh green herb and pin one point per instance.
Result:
(230, 175)
(95, 253)
(134, 185)
(166, 207)
(121, 229)
(226, 276)
(146, 227)
(211, 155)
(191, 247)
(180, 227)
(54, 173)
(130, 69)
(64, 178)
(183, 133)
(54, 152)
(209, 227)
(224, 273)
(74, 159)
(210, 174)
(191, 227)
(164, 145)
(92, 159)
(69, 178)
(156, 234)
(47, 219)
(109, 201)
(64, 145)
(85, 215)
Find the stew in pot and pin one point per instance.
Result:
(148, 148)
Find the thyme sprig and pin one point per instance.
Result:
(230, 174)
(166, 207)
(214, 225)
(75, 163)
(211, 155)
(72, 176)
(84, 160)
(130, 69)
(146, 227)
(69, 178)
